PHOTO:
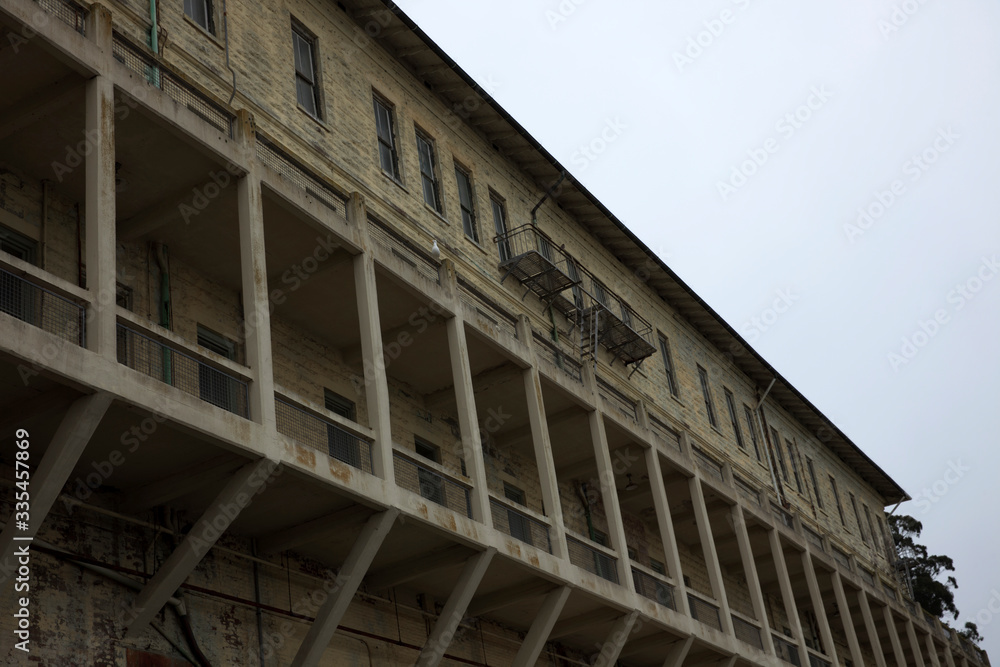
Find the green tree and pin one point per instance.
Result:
(923, 569)
(971, 632)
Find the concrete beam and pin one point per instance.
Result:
(897, 646)
(186, 481)
(454, 609)
(678, 652)
(583, 621)
(752, 577)
(615, 641)
(348, 579)
(711, 553)
(52, 471)
(234, 497)
(876, 644)
(19, 412)
(932, 651)
(409, 569)
(819, 609)
(40, 105)
(785, 585)
(911, 635)
(666, 525)
(99, 204)
(609, 493)
(312, 531)
(485, 604)
(538, 634)
(650, 643)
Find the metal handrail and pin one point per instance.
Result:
(592, 559)
(516, 522)
(657, 589)
(42, 307)
(433, 485)
(313, 430)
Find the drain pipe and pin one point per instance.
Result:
(548, 193)
(764, 440)
(154, 36)
(225, 30)
(161, 261)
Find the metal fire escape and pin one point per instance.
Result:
(600, 316)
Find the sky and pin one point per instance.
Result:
(833, 161)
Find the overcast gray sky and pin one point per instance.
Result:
(745, 135)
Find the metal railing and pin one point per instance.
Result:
(708, 463)
(815, 539)
(592, 560)
(816, 661)
(842, 558)
(432, 485)
(404, 249)
(281, 161)
(745, 489)
(181, 369)
(867, 576)
(668, 435)
(538, 263)
(69, 12)
(747, 632)
(654, 588)
(555, 356)
(617, 400)
(313, 430)
(786, 650)
(704, 611)
(149, 66)
(42, 308)
(520, 525)
(487, 308)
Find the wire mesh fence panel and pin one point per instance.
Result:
(704, 612)
(139, 60)
(747, 632)
(745, 489)
(592, 560)
(668, 435)
(325, 435)
(787, 651)
(42, 308)
(520, 526)
(403, 249)
(816, 540)
(432, 485)
(816, 661)
(616, 400)
(707, 463)
(183, 371)
(566, 363)
(67, 11)
(783, 517)
(655, 589)
(887, 589)
(480, 305)
(280, 161)
(867, 576)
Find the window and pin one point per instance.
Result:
(428, 171)
(465, 202)
(812, 478)
(123, 299)
(836, 500)
(753, 430)
(306, 79)
(500, 226)
(600, 293)
(385, 129)
(342, 445)
(603, 566)
(707, 393)
(888, 545)
(626, 313)
(657, 567)
(871, 526)
(431, 484)
(17, 298)
(668, 365)
(857, 517)
(200, 11)
(520, 528)
(731, 406)
(776, 447)
(795, 465)
(214, 386)
(574, 274)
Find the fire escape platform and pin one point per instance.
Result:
(618, 337)
(538, 274)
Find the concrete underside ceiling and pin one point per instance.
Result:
(401, 37)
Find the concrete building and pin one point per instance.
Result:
(311, 355)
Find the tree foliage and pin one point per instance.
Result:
(923, 569)
(971, 632)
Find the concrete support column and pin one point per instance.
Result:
(50, 475)
(346, 585)
(376, 383)
(753, 579)
(542, 445)
(866, 612)
(666, 526)
(949, 658)
(932, 651)
(711, 553)
(677, 653)
(454, 609)
(819, 608)
(787, 594)
(615, 642)
(253, 270)
(609, 494)
(911, 635)
(897, 646)
(845, 615)
(538, 634)
(100, 220)
(468, 420)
